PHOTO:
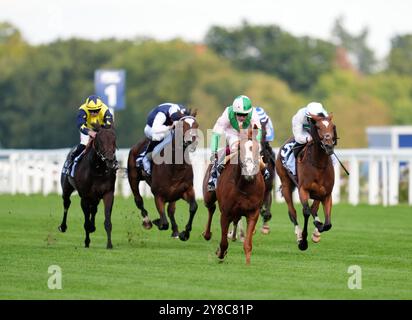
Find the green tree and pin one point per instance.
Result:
(362, 56)
(297, 60)
(400, 55)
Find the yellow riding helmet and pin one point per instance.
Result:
(93, 103)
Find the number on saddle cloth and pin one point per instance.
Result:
(288, 158)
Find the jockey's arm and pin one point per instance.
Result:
(82, 122)
(159, 129)
(108, 118)
(301, 136)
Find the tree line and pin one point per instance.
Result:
(41, 87)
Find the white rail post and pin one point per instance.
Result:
(354, 181)
(393, 181)
(336, 186)
(373, 182)
(384, 181)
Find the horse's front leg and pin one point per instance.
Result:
(87, 223)
(304, 199)
(247, 244)
(161, 223)
(318, 224)
(108, 199)
(232, 234)
(67, 191)
(207, 234)
(327, 209)
(189, 196)
(171, 208)
(265, 211)
(224, 224)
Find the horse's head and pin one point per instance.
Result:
(324, 132)
(105, 144)
(189, 127)
(249, 153)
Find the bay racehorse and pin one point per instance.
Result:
(94, 179)
(239, 192)
(316, 177)
(171, 179)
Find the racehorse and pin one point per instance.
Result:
(94, 179)
(268, 157)
(169, 181)
(240, 192)
(316, 178)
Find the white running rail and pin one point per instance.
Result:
(376, 176)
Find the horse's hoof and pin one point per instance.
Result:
(184, 236)
(92, 229)
(316, 237)
(265, 230)
(161, 226)
(62, 228)
(175, 234)
(319, 225)
(327, 227)
(147, 225)
(303, 245)
(109, 246)
(207, 236)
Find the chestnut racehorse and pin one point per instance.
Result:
(239, 192)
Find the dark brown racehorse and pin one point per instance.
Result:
(240, 192)
(316, 178)
(94, 179)
(171, 180)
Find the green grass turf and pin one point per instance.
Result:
(149, 264)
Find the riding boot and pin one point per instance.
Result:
(211, 184)
(143, 161)
(75, 152)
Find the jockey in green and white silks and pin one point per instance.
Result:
(240, 115)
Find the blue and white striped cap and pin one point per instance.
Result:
(263, 117)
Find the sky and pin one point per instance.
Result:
(42, 21)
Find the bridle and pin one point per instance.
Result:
(187, 143)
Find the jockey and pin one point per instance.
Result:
(270, 132)
(300, 129)
(159, 125)
(240, 115)
(264, 118)
(90, 112)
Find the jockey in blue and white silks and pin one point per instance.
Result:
(264, 118)
(158, 130)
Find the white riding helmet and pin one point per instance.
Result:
(315, 108)
(242, 104)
